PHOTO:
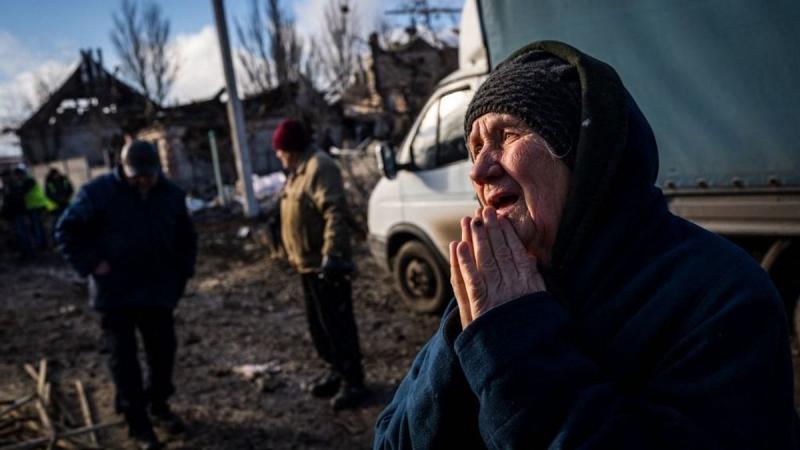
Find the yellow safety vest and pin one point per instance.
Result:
(35, 199)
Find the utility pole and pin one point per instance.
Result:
(235, 114)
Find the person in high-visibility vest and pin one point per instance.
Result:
(28, 223)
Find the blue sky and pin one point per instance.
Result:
(57, 28)
(40, 39)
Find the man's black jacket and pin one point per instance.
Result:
(149, 241)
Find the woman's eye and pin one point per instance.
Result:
(507, 135)
(476, 148)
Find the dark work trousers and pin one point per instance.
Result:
(329, 309)
(157, 329)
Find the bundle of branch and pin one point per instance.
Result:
(41, 419)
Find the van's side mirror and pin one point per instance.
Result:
(384, 154)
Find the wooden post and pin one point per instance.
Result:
(212, 141)
(85, 410)
(42, 378)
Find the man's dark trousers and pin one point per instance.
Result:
(329, 309)
(157, 329)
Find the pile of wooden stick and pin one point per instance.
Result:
(42, 420)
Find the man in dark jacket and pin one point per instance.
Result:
(130, 232)
(14, 212)
(59, 189)
(315, 234)
(586, 314)
(36, 205)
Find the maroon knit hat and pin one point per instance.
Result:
(290, 136)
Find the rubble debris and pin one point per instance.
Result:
(251, 371)
(267, 185)
(243, 232)
(42, 419)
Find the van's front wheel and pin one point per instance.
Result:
(421, 280)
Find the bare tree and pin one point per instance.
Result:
(271, 48)
(338, 48)
(140, 37)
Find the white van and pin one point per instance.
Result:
(415, 208)
(729, 157)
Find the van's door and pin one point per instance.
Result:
(437, 191)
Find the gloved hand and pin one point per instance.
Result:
(333, 266)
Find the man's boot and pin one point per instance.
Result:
(166, 420)
(326, 387)
(141, 430)
(349, 396)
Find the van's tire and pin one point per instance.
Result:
(423, 284)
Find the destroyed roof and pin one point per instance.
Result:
(92, 82)
(212, 109)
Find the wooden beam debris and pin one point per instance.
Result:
(47, 423)
(85, 410)
(41, 384)
(17, 404)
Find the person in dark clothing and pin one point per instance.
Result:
(131, 233)
(315, 234)
(59, 189)
(586, 314)
(27, 205)
(14, 213)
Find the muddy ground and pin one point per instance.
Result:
(243, 307)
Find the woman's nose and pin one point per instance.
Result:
(485, 168)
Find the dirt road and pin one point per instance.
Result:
(242, 308)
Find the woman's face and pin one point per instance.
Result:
(515, 173)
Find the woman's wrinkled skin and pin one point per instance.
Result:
(523, 188)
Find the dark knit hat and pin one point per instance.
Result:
(541, 90)
(140, 158)
(290, 136)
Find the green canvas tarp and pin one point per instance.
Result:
(718, 80)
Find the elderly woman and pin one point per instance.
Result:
(586, 314)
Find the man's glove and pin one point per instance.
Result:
(332, 266)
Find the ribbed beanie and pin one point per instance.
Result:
(290, 136)
(541, 90)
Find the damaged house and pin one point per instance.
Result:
(87, 116)
(394, 85)
(183, 133)
(92, 113)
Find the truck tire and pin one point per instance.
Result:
(423, 284)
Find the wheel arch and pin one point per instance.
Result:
(401, 233)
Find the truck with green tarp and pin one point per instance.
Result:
(716, 79)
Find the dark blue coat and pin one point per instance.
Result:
(654, 333)
(149, 241)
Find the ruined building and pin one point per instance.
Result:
(87, 115)
(394, 85)
(92, 113)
